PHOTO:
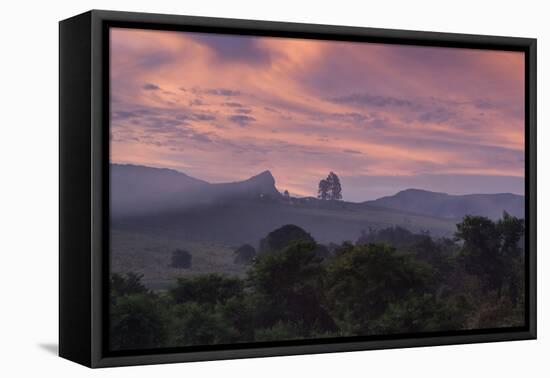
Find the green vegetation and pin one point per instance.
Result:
(245, 254)
(278, 239)
(390, 281)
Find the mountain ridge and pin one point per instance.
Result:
(418, 190)
(139, 189)
(439, 204)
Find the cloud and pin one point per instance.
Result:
(203, 117)
(150, 87)
(197, 102)
(134, 113)
(157, 60)
(353, 152)
(234, 104)
(371, 100)
(222, 92)
(354, 117)
(215, 104)
(225, 92)
(437, 115)
(242, 120)
(235, 49)
(483, 104)
(161, 125)
(203, 138)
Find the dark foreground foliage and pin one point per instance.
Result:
(245, 254)
(391, 281)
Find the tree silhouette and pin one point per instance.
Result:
(278, 239)
(492, 251)
(286, 194)
(181, 259)
(324, 188)
(335, 188)
(330, 188)
(245, 254)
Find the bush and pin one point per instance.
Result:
(280, 238)
(362, 283)
(492, 252)
(137, 322)
(181, 259)
(206, 289)
(195, 324)
(287, 287)
(395, 236)
(127, 284)
(245, 254)
(280, 331)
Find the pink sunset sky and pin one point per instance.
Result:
(383, 117)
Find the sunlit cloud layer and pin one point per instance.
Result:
(383, 117)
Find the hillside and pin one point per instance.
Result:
(139, 191)
(166, 201)
(172, 204)
(155, 211)
(453, 206)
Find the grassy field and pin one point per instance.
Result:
(212, 235)
(151, 255)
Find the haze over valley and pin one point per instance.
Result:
(155, 211)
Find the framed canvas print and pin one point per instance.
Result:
(234, 188)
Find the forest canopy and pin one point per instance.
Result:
(390, 281)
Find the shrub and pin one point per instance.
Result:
(137, 322)
(280, 238)
(206, 289)
(245, 254)
(181, 259)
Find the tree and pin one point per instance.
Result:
(395, 236)
(480, 250)
(287, 288)
(127, 284)
(492, 252)
(137, 320)
(207, 289)
(181, 259)
(245, 254)
(364, 281)
(323, 192)
(279, 239)
(330, 188)
(335, 188)
(512, 247)
(286, 194)
(209, 308)
(196, 324)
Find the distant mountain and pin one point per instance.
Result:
(136, 188)
(169, 204)
(139, 190)
(260, 185)
(453, 206)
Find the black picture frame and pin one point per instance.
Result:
(84, 186)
